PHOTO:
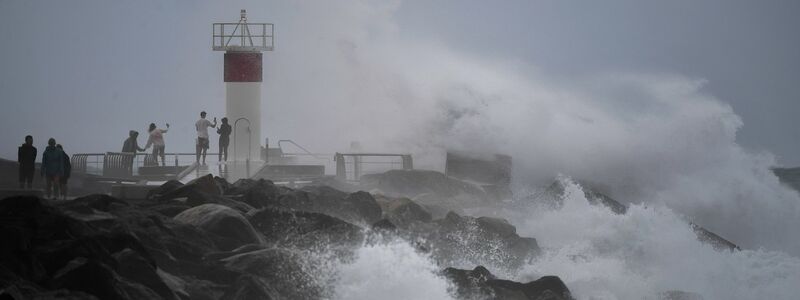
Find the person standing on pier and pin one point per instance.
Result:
(131, 144)
(224, 132)
(67, 167)
(26, 157)
(202, 126)
(52, 168)
(157, 140)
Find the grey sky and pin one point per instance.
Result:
(88, 71)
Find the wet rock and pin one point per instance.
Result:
(479, 283)
(221, 220)
(719, 243)
(357, 208)
(248, 287)
(483, 240)
(206, 184)
(304, 230)
(384, 225)
(164, 189)
(136, 268)
(196, 198)
(100, 202)
(403, 211)
(91, 277)
(281, 269)
(257, 193)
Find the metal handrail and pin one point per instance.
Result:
(219, 42)
(249, 138)
(298, 146)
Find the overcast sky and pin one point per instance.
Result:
(88, 71)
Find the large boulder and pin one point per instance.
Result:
(305, 230)
(356, 208)
(249, 287)
(403, 211)
(281, 269)
(257, 193)
(483, 240)
(91, 277)
(196, 198)
(479, 283)
(206, 184)
(221, 220)
(136, 268)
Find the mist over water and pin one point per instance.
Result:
(657, 141)
(346, 71)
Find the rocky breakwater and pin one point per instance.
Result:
(210, 239)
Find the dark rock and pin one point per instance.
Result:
(196, 198)
(99, 202)
(403, 211)
(719, 243)
(384, 225)
(248, 287)
(257, 193)
(357, 208)
(89, 276)
(221, 220)
(281, 269)
(164, 189)
(481, 284)
(225, 254)
(481, 240)
(136, 268)
(304, 229)
(206, 184)
(789, 176)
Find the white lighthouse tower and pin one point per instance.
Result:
(243, 43)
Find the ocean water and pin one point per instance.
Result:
(643, 254)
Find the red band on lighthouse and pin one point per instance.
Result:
(243, 67)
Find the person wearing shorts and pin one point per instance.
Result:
(202, 126)
(156, 139)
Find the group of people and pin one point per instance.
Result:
(156, 139)
(202, 144)
(55, 169)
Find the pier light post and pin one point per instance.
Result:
(243, 44)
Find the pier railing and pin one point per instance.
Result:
(95, 163)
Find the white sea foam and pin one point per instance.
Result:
(649, 250)
(393, 270)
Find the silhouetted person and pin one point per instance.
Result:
(224, 139)
(202, 135)
(157, 140)
(26, 157)
(67, 167)
(52, 167)
(131, 144)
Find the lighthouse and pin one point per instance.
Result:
(244, 44)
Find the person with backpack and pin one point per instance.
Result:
(52, 168)
(67, 167)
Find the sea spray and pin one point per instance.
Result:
(390, 270)
(648, 251)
